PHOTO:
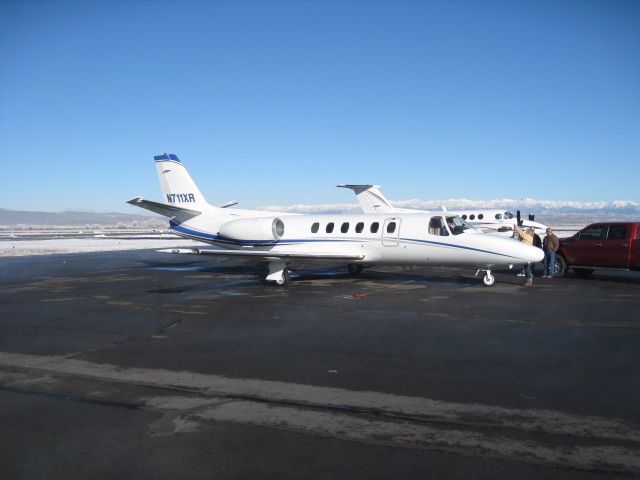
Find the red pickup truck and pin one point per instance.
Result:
(600, 245)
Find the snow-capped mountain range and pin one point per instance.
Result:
(551, 212)
(525, 204)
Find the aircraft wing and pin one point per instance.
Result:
(265, 254)
(170, 211)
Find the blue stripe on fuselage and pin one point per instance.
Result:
(443, 244)
(204, 236)
(219, 238)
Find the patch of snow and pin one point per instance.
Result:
(18, 248)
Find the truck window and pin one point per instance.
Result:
(592, 233)
(617, 232)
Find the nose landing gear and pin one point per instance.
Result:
(488, 280)
(354, 268)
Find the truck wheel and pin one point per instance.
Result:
(583, 272)
(561, 266)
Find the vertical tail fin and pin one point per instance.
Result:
(370, 198)
(178, 188)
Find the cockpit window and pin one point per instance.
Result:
(436, 227)
(457, 225)
(508, 215)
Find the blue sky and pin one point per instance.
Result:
(275, 102)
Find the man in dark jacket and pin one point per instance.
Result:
(550, 246)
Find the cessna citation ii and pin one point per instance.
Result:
(282, 241)
(372, 200)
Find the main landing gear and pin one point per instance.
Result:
(279, 273)
(488, 280)
(355, 269)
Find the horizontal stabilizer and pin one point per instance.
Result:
(266, 255)
(170, 211)
(358, 188)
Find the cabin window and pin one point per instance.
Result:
(480, 216)
(359, 227)
(391, 227)
(374, 227)
(329, 228)
(315, 227)
(498, 216)
(617, 232)
(471, 217)
(345, 227)
(464, 217)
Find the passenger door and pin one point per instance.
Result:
(587, 249)
(391, 232)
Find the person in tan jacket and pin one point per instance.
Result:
(526, 237)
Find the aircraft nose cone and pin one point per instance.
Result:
(536, 255)
(533, 254)
(528, 253)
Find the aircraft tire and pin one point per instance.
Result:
(488, 280)
(354, 268)
(285, 279)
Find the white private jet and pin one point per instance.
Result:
(372, 200)
(283, 241)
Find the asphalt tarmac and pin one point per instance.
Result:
(147, 365)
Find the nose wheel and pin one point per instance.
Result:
(488, 280)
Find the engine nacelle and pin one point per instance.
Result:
(261, 229)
